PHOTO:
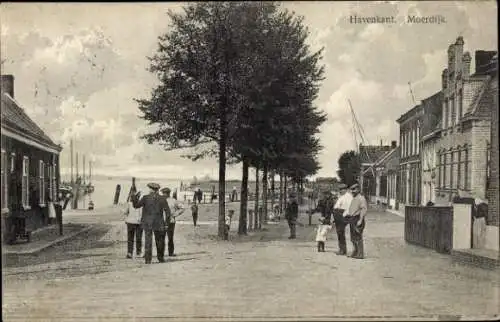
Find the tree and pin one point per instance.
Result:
(197, 64)
(349, 167)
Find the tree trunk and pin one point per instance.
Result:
(272, 190)
(222, 175)
(281, 192)
(242, 227)
(264, 192)
(256, 206)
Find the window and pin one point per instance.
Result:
(459, 169)
(460, 105)
(41, 182)
(488, 165)
(25, 182)
(401, 144)
(12, 162)
(466, 168)
(452, 170)
(452, 111)
(418, 139)
(4, 190)
(440, 171)
(445, 114)
(54, 182)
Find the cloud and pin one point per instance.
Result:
(77, 75)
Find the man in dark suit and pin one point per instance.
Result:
(153, 220)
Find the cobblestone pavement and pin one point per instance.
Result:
(260, 276)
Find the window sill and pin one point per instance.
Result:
(26, 208)
(42, 205)
(5, 211)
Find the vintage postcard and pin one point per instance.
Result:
(250, 161)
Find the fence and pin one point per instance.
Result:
(430, 227)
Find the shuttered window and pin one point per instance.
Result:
(25, 182)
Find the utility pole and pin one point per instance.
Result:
(71, 160)
(84, 169)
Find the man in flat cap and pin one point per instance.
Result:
(340, 211)
(176, 209)
(291, 213)
(356, 220)
(153, 221)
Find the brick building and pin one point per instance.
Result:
(29, 167)
(493, 227)
(463, 147)
(409, 179)
(430, 135)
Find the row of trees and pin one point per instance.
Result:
(238, 74)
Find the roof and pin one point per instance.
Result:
(386, 156)
(371, 153)
(14, 118)
(431, 119)
(482, 101)
(414, 111)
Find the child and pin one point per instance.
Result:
(321, 233)
(229, 216)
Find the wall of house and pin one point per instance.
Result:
(493, 191)
(13, 187)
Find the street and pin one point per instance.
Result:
(260, 276)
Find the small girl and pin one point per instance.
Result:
(229, 217)
(321, 233)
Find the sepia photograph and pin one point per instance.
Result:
(250, 161)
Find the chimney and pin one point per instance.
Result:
(394, 144)
(483, 60)
(444, 78)
(7, 82)
(466, 59)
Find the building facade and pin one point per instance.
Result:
(386, 172)
(368, 156)
(29, 163)
(463, 149)
(409, 179)
(430, 135)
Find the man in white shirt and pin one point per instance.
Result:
(177, 209)
(340, 210)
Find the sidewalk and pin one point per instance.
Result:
(44, 238)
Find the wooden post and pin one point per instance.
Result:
(117, 194)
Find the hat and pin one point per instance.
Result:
(153, 186)
(165, 190)
(342, 186)
(355, 186)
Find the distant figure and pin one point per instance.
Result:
(212, 197)
(176, 209)
(134, 230)
(200, 195)
(174, 194)
(229, 217)
(234, 194)
(91, 205)
(153, 221)
(291, 214)
(194, 213)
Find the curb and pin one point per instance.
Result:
(394, 212)
(50, 244)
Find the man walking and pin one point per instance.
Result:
(153, 221)
(340, 211)
(291, 214)
(356, 220)
(176, 209)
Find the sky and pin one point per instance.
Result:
(78, 67)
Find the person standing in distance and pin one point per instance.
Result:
(291, 214)
(153, 221)
(176, 209)
(356, 220)
(340, 211)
